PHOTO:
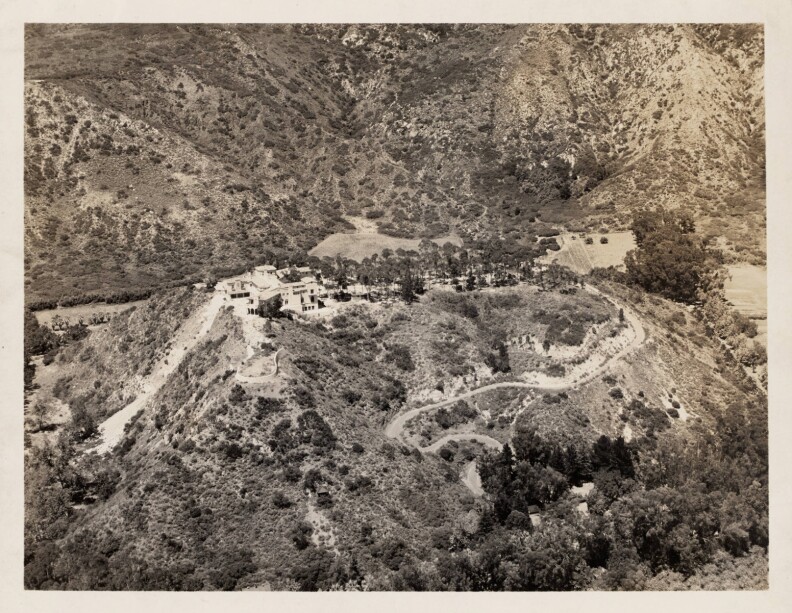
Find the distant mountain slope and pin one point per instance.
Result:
(158, 153)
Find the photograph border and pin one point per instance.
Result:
(776, 15)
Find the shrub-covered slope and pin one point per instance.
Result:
(157, 153)
(239, 475)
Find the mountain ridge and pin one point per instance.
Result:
(426, 129)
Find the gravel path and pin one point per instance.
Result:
(111, 431)
(396, 427)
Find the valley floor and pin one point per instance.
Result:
(580, 257)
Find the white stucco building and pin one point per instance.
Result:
(264, 283)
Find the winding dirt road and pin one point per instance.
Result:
(111, 431)
(485, 440)
(395, 429)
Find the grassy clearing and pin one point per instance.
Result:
(747, 291)
(75, 313)
(581, 257)
(359, 245)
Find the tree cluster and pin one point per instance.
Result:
(670, 259)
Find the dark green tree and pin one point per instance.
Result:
(670, 259)
(272, 308)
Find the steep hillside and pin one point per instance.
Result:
(647, 115)
(157, 154)
(267, 459)
(106, 373)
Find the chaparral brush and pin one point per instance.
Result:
(395, 307)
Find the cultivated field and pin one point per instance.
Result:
(580, 257)
(747, 291)
(365, 241)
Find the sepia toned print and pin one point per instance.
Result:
(395, 307)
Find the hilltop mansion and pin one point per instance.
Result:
(298, 289)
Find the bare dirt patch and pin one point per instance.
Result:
(323, 534)
(472, 480)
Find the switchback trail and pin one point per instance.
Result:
(485, 440)
(111, 431)
(395, 428)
